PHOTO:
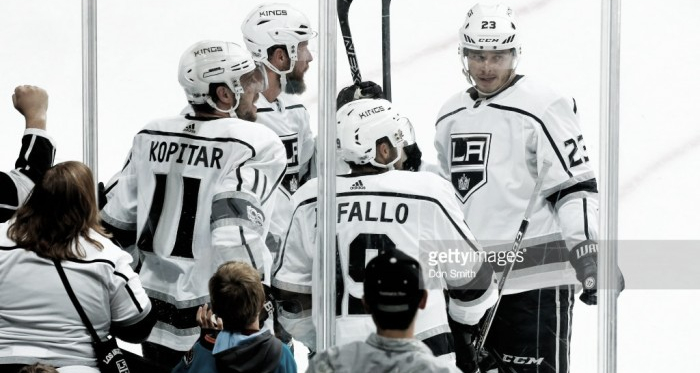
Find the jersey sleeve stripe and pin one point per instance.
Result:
(128, 290)
(133, 298)
(471, 312)
(448, 114)
(29, 149)
(544, 129)
(587, 186)
(238, 209)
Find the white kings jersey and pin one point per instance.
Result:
(492, 150)
(290, 121)
(195, 194)
(415, 212)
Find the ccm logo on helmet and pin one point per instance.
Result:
(280, 12)
(208, 50)
(369, 112)
(488, 40)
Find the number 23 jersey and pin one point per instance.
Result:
(492, 150)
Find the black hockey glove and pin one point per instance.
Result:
(584, 259)
(463, 335)
(413, 157)
(354, 92)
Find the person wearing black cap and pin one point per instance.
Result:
(393, 293)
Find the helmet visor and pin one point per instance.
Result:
(406, 132)
(489, 70)
(308, 50)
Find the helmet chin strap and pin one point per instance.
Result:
(283, 82)
(282, 74)
(231, 112)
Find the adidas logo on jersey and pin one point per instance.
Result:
(358, 185)
(190, 128)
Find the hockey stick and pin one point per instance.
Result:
(386, 48)
(516, 247)
(343, 10)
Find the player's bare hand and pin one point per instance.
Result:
(32, 102)
(207, 320)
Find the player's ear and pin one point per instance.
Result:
(279, 57)
(383, 152)
(224, 95)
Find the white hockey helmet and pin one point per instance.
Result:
(212, 61)
(362, 123)
(489, 28)
(276, 24)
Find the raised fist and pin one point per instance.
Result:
(32, 102)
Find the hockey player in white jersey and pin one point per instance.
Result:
(492, 140)
(278, 35)
(196, 191)
(380, 206)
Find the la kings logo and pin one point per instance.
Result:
(469, 156)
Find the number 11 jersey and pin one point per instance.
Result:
(194, 194)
